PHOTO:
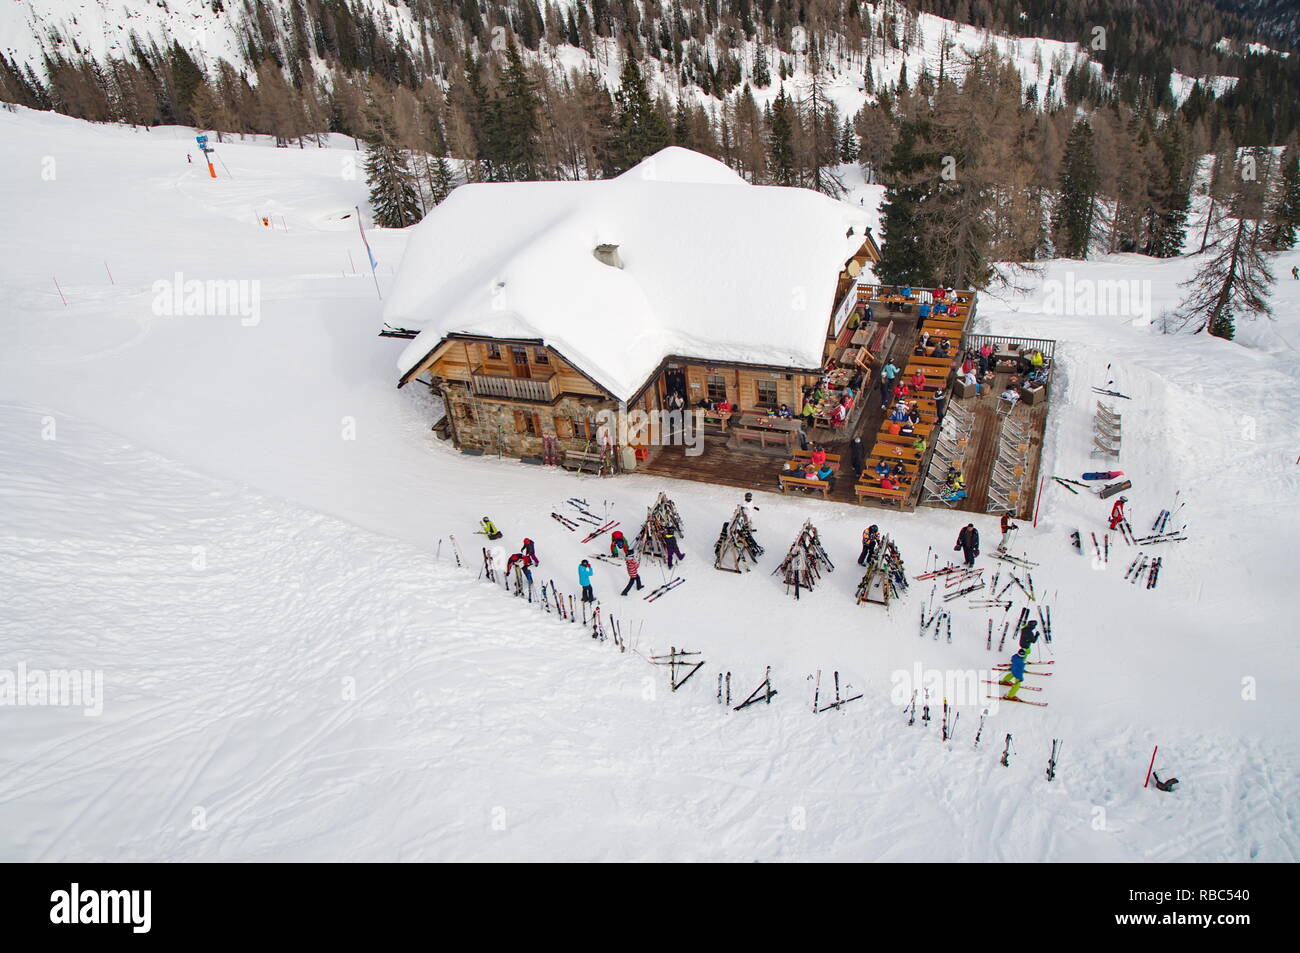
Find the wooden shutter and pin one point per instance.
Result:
(563, 428)
(519, 421)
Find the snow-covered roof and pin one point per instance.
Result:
(712, 267)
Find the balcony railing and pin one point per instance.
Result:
(534, 388)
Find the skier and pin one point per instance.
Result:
(670, 547)
(1295, 272)
(529, 549)
(520, 560)
(189, 159)
(489, 529)
(1007, 527)
(1028, 636)
(968, 541)
(1014, 677)
(870, 542)
(1117, 512)
(633, 572)
(584, 580)
(618, 541)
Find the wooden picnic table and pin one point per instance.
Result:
(894, 451)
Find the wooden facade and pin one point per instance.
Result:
(509, 396)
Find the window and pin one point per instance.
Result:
(766, 396)
(540, 356)
(717, 385)
(493, 352)
(564, 428)
(527, 423)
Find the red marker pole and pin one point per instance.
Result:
(1039, 501)
(1151, 765)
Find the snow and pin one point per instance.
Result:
(247, 528)
(712, 267)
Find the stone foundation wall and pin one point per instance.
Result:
(482, 424)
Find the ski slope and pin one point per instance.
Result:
(246, 527)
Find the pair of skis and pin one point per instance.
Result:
(599, 530)
(667, 587)
(564, 521)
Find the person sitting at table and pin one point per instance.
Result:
(1010, 396)
(784, 412)
(888, 483)
(809, 408)
(854, 321)
(914, 415)
(941, 308)
(900, 413)
(967, 366)
(881, 468)
(919, 445)
(868, 316)
(943, 349)
(937, 294)
(918, 380)
(826, 475)
(839, 415)
(954, 480)
(904, 390)
(818, 456)
(847, 401)
(925, 339)
(970, 380)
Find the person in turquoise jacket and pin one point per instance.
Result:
(584, 580)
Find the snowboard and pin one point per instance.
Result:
(1104, 475)
(1114, 488)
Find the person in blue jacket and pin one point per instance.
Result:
(1014, 677)
(584, 580)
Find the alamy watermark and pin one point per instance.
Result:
(662, 428)
(1087, 297)
(193, 297)
(25, 687)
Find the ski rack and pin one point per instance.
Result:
(839, 702)
(764, 693)
(660, 517)
(1106, 435)
(736, 547)
(885, 577)
(677, 659)
(803, 564)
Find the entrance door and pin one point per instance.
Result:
(519, 361)
(675, 381)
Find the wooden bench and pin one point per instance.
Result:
(581, 459)
(898, 440)
(896, 497)
(910, 467)
(805, 456)
(764, 437)
(803, 483)
(944, 362)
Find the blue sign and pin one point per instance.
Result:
(201, 140)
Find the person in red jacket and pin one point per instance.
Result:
(1117, 512)
(818, 456)
(617, 542)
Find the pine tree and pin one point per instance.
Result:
(393, 198)
(642, 129)
(515, 122)
(1076, 205)
(1236, 281)
(762, 73)
(780, 141)
(1167, 224)
(1284, 207)
(904, 259)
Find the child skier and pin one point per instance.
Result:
(1014, 677)
(489, 529)
(584, 580)
(529, 549)
(633, 573)
(1117, 512)
(1007, 527)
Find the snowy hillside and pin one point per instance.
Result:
(246, 528)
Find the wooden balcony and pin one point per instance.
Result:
(536, 388)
